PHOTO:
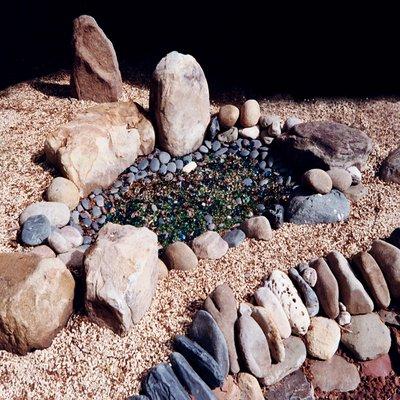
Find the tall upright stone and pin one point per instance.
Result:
(180, 102)
(95, 71)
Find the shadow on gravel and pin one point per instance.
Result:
(52, 89)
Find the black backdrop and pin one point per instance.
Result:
(303, 50)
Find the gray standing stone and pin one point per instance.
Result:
(35, 230)
(308, 295)
(205, 331)
(317, 208)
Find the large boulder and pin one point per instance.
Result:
(390, 168)
(179, 99)
(36, 301)
(92, 150)
(326, 145)
(95, 71)
(121, 275)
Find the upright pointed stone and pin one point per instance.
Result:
(95, 71)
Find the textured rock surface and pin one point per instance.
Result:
(36, 301)
(327, 144)
(249, 387)
(179, 100)
(293, 387)
(35, 230)
(318, 209)
(95, 72)
(352, 293)
(121, 275)
(390, 168)
(373, 277)
(388, 258)
(322, 338)
(222, 306)
(57, 213)
(326, 288)
(369, 337)
(335, 374)
(283, 288)
(228, 391)
(257, 228)
(253, 346)
(180, 256)
(294, 359)
(63, 190)
(317, 180)
(228, 115)
(209, 245)
(265, 298)
(205, 331)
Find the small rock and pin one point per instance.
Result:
(249, 113)
(378, 368)
(291, 122)
(249, 387)
(295, 355)
(310, 276)
(164, 157)
(250, 133)
(267, 120)
(65, 239)
(235, 237)
(265, 298)
(57, 213)
(356, 175)
(363, 329)
(154, 165)
(63, 190)
(228, 136)
(191, 166)
(322, 338)
(228, 391)
(335, 374)
(280, 284)
(205, 331)
(180, 256)
(254, 346)
(35, 230)
(43, 251)
(276, 214)
(210, 245)
(214, 127)
(318, 181)
(390, 168)
(228, 115)
(274, 130)
(356, 192)
(293, 387)
(257, 228)
(388, 317)
(206, 367)
(344, 318)
(341, 178)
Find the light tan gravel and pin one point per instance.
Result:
(87, 362)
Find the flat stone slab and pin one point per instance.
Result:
(335, 374)
(294, 387)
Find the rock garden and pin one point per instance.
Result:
(156, 245)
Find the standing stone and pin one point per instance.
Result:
(210, 245)
(388, 258)
(335, 374)
(390, 168)
(323, 338)
(293, 387)
(280, 284)
(205, 331)
(327, 288)
(221, 304)
(180, 256)
(36, 301)
(249, 387)
(373, 277)
(179, 99)
(95, 71)
(265, 298)
(253, 346)
(249, 113)
(368, 338)
(352, 292)
(121, 275)
(36, 230)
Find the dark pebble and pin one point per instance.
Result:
(279, 180)
(256, 144)
(247, 182)
(163, 169)
(234, 237)
(262, 165)
(95, 226)
(86, 204)
(96, 212)
(216, 145)
(208, 144)
(143, 164)
(35, 230)
(179, 164)
(154, 165)
(141, 175)
(117, 184)
(84, 214)
(87, 240)
(171, 167)
(267, 172)
(197, 156)
(244, 152)
(164, 157)
(113, 190)
(264, 155)
(214, 127)
(221, 151)
(276, 215)
(254, 154)
(260, 208)
(264, 182)
(99, 200)
(270, 162)
(188, 158)
(101, 220)
(133, 169)
(203, 149)
(87, 222)
(245, 142)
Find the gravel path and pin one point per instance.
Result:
(86, 361)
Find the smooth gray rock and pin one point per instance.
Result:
(36, 230)
(308, 295)
(317, 208)
(205, 331)
(234, 238)
(189, 379)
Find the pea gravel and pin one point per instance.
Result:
(88, 362)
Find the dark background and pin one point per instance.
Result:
(303, 50)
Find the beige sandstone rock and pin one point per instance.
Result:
(249, 387)
(63, 191)
(180, 256)
(121, 275)
(249, 113)
(228, 115)
(57, 213)
(36, 301)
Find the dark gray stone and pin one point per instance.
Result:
(201, 361)
(163, 169)
(221, 151)
(155, 165)
(316, 208)
(143, 164)
(214, 127)
(35, 230)
(203, 149)
(198, 156)
(138, 397)
(99, 200)
(140, 175)
(247, 182)
(189, 379)
(244, 152)
(205, 331)
(188, 158)
(162, 384)
(254, 154)
(179, 164)
(234, 237)
(308, 295)
(96, 212)
(216, 145)
(171, 167)
(276, 214)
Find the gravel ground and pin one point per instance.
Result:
(86, 361)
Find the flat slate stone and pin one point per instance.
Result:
(162, 384)
(369, 337)
(318, 209)
(205, 331)
(326, 144)
(294, 387)
(326, 288)
(200, 360)
(191, 381)
(254, 346)
(352, 293)
(335, 374)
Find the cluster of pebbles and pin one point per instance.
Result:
(330, 301)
